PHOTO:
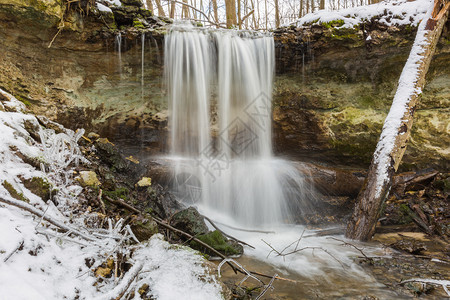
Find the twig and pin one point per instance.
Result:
(167, 226)
(225, 234)
(246, 16)
(245, 230)
(196, 9)
(100, 202)
(443, 283)
(14, 251)
(269, 285)
(244, 271)
(122, 287)
(241, 268)
(39, 213)
(123, 204)
(349, 244)
(301, 249)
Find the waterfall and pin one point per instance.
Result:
(220, 89)
(142, 63)
(118, 46)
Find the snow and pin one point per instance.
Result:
(103, 8)
(405, 90)
(113, 2)
(403, 12)
(53, 265)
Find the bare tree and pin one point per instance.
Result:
(322, 4)
(160, 8)
(216, 15)
(277, 14)
(150, 5)
(185, 10)
(230, 7)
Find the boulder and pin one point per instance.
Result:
(190, 221)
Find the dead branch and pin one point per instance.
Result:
(245, 230)
(351, 245)
(120, 289)
(299, 250)
(443, 283)
(243, 271)
(196, 9)
(100, 202)
(167, 226)
(266, 288)
(25, 206)
(246, 16)
(20, 245)
(240, 268)
(225, 234)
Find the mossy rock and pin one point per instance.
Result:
(13, 192)
(144, 228)
(190, 221)
(216, 240)
(109, 154)
(39, 186)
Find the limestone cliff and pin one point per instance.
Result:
(332, 90)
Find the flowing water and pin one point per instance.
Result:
(219, 89)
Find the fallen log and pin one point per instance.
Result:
(397, 126)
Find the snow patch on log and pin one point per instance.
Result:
(405, 91)
(390, 13)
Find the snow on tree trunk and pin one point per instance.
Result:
(397, 126)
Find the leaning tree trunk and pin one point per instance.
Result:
(397, 126)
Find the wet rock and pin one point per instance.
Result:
(410, 246)
(143, 228)
(157, 200)
(110, 154)
(47, 123)
(190, 221)
(137, 3)
(32, 127)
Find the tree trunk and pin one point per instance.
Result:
(397, 126)
(277, 14)
(216, 15)
(185, 10)
(150, 6)
(230, 7)
(172, 10)
(239, 20)
(160, 8)
(300, 13)
(322, 4)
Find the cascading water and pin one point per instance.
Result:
(221, 137)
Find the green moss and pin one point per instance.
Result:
(216, 240)
(345, 34)
(12, 191)
(138, 24)
(406, 211)
(334, 23)
(122, 193)
(40, 187)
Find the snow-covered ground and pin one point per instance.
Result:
(38, 261)
(398, 12)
